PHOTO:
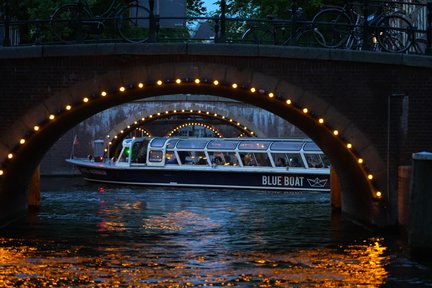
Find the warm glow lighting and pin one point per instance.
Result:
(51, 117)
(178, 81)
(140, 85)
(305, 110)
(234, 85)
(335, 132)
(288, 101)
(271, 95)
(197, 81)
(253, 89)
(1, 172)
(378, 194)
(216, 82)
(360, 160)
(321, 120)
(159, 82)
(85, 100)
(103, 93)
(22, 141)
(36, 128)
(349, 145)
(68, 107)
(370, 176)
(10, 155)
(122, 89)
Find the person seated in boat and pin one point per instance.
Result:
(171, 158)
(314, 163)
(281, 162)
(295, 162)
(252, 162)
(218, 160)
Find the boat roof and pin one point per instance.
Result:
(218, 144)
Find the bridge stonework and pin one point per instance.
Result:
(377, 102)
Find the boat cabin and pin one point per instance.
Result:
(212, 152)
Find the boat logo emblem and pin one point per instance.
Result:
(317, 182)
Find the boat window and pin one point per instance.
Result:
(192, 157)
(224, 158)
(311, 146)
(287, 160)
(325, 160)
(254, 145)
(171, 143)
(155, 155)
(255, 159)
(222, 144)
(287, 146)
(192, 144)
(124, 157)
(158, 142)
(139, 152)
(170, 158)
(314, 160)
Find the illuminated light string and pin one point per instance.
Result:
(197, 81)
(130, 128)
(189, 124)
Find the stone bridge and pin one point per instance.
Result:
(367, 111)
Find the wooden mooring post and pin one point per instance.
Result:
(420, 206)
(33, 198)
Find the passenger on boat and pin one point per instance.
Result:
(218, 160)
(295, 162)
(280, 162)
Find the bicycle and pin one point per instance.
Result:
(342, 26)
(75, 22)
(295, 32)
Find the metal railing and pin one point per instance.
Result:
(217, 29)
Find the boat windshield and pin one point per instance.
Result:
(311, 146)
(158, 142)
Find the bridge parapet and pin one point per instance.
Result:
(405, 23)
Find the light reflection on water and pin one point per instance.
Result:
(160, 237)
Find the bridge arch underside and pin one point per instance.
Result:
(122, 130)
(331, 130)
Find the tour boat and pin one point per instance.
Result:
(248, 163)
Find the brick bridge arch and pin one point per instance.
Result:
(306, 88)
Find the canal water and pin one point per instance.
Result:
(92, 235)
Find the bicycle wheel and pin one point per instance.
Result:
(258, 35)
(334, 25)
(308, 38)
(133, 23)
(394, 33)
(67, 23)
